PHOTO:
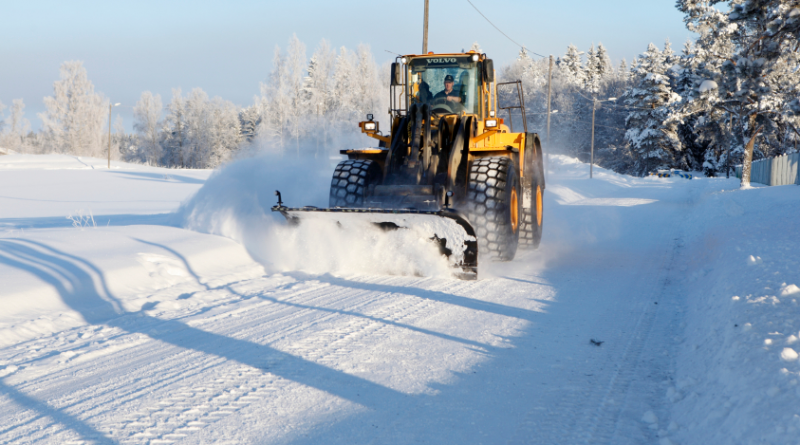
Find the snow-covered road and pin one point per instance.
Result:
(144, 332)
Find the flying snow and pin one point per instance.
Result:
(236, 203)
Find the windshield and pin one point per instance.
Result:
(448, 84)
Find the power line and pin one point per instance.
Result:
(501, 31)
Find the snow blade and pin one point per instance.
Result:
(451, 231)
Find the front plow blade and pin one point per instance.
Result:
(453, 234)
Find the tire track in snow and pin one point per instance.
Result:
(592, 416)
(191, 406)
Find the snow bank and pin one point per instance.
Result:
(236, 201)
(738, 377)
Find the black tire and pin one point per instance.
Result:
(531, 228)
(493, 206)
(353, 181)
(533, 193)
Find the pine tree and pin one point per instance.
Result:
(592, 72)
(623, 74)
(572, 66)
(653, 139)
(604, 65)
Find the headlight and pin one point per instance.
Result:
(370, 126)
(403, 60)
(490, 123)
(474, 57)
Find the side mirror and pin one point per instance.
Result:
(397, 74)
(488, 70)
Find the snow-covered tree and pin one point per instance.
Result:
(224, 132)
(317, 84)
(592, 72)
(277, 101)
(16, 127)
(653, 139)
(368, 92)
(572, 66)
(147, 123)
(173, 131)
(295, 73)
(197, 122)
(73, 122)
(344, 81)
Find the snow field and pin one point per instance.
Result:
(143, 332)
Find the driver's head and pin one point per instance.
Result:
(448, 83)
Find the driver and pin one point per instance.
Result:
(448, 94)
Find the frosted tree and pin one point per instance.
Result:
(669, 55)
(765, 29)
(73, 122)
(623, 74)
(146, 124)
(197, 148)
(368, 85)
(653, 139)
(173, 131)
(317, 85)
(704, 127)
(278, 101)
(475, 47)
(249, 120)
(651, 61)
(295, 73)
(572, 66)
(344, 81)
(592, 72)
(319, 94)
(744, 89)
(603, 64)
(17, 127)
(224, 132)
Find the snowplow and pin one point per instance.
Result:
(450, 168)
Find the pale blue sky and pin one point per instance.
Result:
(226, 47)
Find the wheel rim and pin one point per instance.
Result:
(514, 210)
(538, 205)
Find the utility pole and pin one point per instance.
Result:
(549, 91)
(591, 163)
(109, 135)
(425, 31)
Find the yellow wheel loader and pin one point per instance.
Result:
(450, 167)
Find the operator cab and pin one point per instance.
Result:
(447, 84)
